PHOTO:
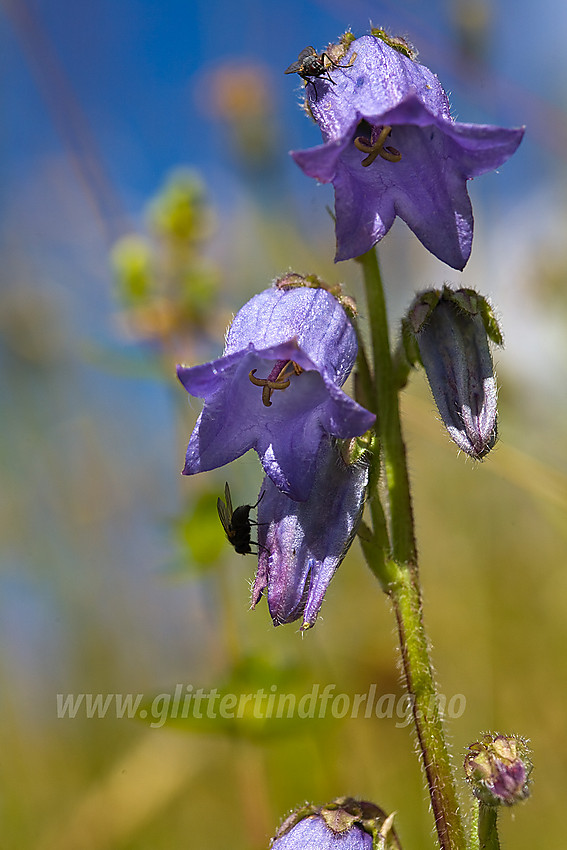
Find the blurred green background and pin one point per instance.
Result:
(146, 194)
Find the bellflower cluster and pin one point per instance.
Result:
(276, 389)
(301, 544)
(448, 331)
(390, 147)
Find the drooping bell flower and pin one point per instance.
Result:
(344, 824)
(390, 147)
(301, 544)
(448, 331)
(276, 389)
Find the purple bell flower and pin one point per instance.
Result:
(301, 544)
(312, 832)
(276, 389)
(391, 148)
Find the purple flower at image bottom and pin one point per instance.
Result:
(390, 148)
(343, 824)
(276, 389)
(313, 833)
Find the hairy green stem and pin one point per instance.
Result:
(388, 418)
(398, 573)
(473, 827)
(487, 828)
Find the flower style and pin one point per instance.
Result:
(276, 388)
(391, 148)
(451, 330)
(301, 544)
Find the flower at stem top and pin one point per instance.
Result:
(276, 389)
(302, 544)
(390, 147)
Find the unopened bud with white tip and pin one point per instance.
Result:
(448, 331)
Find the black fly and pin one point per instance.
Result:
(310, 65)
(237, 523)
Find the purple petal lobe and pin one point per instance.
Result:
(311, 317)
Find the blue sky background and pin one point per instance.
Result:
(123, 88)
(138, 69)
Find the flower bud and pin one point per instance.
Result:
(448, 331)
(132, 265)
(180, 213)
(498, 769)
(345, 823)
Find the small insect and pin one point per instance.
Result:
(237, 523)
(311, 64)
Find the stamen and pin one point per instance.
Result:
(265, 382)
(375, 147)
(276, 380)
